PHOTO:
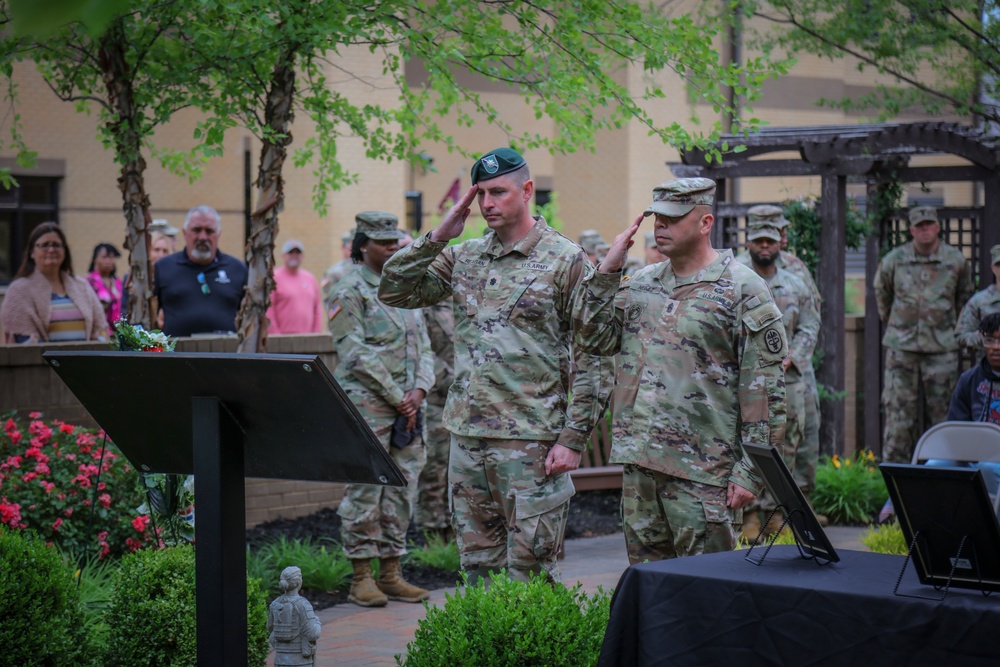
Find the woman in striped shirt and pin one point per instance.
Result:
(46, 302)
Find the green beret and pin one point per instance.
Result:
(678, 197)
(920, 214)
(378, 225)
(496, 163)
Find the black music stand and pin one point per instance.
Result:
(224, 417)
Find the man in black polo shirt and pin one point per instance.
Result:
(199, 288)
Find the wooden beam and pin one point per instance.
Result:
(873, 339)
(989, 231)
(832, 255)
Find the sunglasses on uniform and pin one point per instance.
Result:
(205, 289)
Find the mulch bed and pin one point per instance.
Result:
(591, 514)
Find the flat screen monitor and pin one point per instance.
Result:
(786, 493)
(943, 506)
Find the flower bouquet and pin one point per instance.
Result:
(132, 337)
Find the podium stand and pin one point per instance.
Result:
(224, 417)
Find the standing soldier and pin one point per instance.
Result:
(589, 240)
(983, 303)
(920, 287)
(801, 320)
(386, 368)
(338, 270)
(519, 417)
(433, 514)
(700, 347)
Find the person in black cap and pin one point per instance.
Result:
(519, 418)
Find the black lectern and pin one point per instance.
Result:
(224, 417)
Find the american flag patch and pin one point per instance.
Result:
(333, 311)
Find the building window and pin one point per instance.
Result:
(22, 208)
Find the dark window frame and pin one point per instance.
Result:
(18, 210)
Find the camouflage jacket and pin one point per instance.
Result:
(334, 274)
(699, 368)
(440, 320)
(513, 334)
(793, 265)
(383, 351)
(984, 302)
(919, 297)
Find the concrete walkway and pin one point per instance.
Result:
(353, 635)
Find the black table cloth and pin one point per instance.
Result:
(718, 609)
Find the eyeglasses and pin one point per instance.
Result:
(51, 245)
(205, 289)
(989, 341)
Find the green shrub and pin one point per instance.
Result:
(511, 624)
(41, 618)
(848, 490)
(438, 553)
(94, 583)
(885, 539)
(324, 565)
(151, 620)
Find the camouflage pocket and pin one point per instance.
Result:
(540, 516)
(767, 333)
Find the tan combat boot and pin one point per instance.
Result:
(364, 592)
(391, 582)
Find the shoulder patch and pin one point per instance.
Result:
(333, 311)
(757, 319)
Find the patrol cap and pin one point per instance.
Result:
(678, 197)
(496, 163)
(291, 245)
(589, 240)
(348, 236)
(650, 239)
(161, 226)
(763, 230)
(378, 225)
(995, 253)
(920, 214)
(601, 250)
(773, 215)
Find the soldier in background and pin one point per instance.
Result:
(807, 453)
(387, 369)
(433, 513)
(652, 253)
(590, 239)
(920, 287)
(984, 302)
(519, 418)
(339, 269)
(699, 372)
(801, 320)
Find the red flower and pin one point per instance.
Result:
(66, 428)
(133, 545)
(82, 480)
(34, 415)
(48, 486)
(104, 500)
(140, 523)
(28, 476)
(68, 512)
(42, 468)
(57, 523)
(10, 513)
(101, 486)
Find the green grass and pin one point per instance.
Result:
(438, 554)
(94, 580)
(324, 566)
(885, 539)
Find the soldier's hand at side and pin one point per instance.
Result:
(786, 363)
(453, 224)
(561, 459)
(737, 497)
(413, 398)
(618, 253)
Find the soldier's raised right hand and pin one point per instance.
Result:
(618, 253)
(454, 220)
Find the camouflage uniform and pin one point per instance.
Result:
(918, 300)
(336, 272)
(384, 352)
(513, 395)
(433, 513)
(982, 303)
(699, 372)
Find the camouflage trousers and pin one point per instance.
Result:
(807, 453)
(668, 517)
(905, 374)
(374, 518)
(795, 421)
(432, 512)
(506, 512)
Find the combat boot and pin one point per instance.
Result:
(391, 582)
(364, 592)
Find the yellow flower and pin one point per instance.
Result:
(847, 462)
(869, 455)
(835, 461)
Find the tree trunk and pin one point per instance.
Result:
(251, 324)
(128, 146)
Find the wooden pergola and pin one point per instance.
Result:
(873, 154)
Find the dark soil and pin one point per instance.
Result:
(591, 514)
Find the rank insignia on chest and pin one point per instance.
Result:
(772, 339)
(634, 311)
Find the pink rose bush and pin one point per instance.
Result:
(53, 477)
